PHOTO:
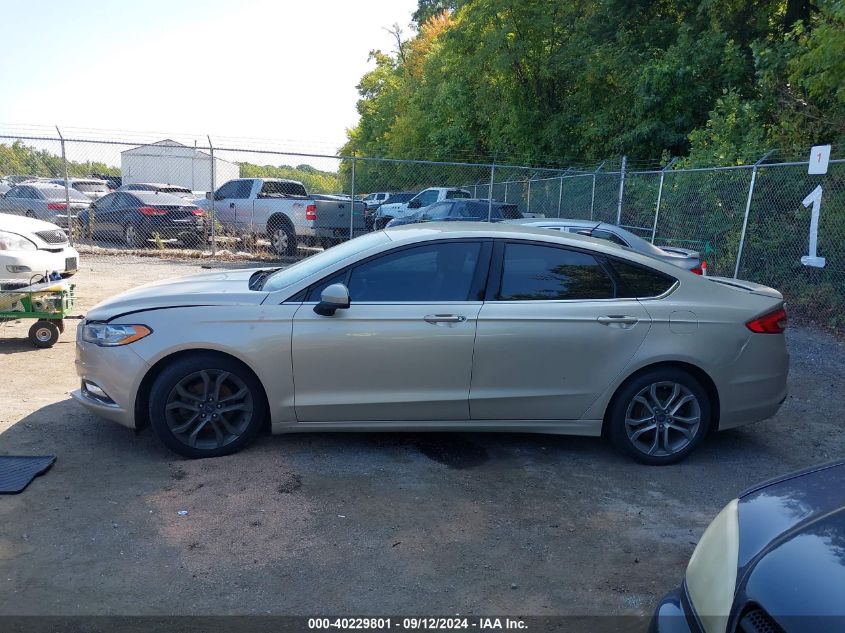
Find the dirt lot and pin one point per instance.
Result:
(362, 524)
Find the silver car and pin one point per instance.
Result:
(683, 257)
(453, 326)
(44, 201)
(93, 188)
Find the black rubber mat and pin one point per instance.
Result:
(17, 471)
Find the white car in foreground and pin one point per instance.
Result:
(31, 249)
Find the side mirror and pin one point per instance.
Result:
(209, 195)
(333, 298)
(414, 204)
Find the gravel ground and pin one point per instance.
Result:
(366, 523)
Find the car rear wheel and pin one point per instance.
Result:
(283, 239)
(660, 416)
(206, 406)
(133, 237)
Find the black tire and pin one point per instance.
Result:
(133, 236)
(282, 238)
(43, 334)
(179, 378)
(673, 439)
(381, 223)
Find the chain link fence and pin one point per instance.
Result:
(194, 197)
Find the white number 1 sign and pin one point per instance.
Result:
(815, 199)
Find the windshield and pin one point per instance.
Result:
(320, 261)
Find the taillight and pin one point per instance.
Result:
(197, 211)
(57, 206)
(151, 211)
(701, 269)
(771, 323)
(311, 212)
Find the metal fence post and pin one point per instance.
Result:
(748, 211)
(528, 201)
(68, 215)
(621, 190)
(506, 192)
(352, 204)
(560, 194)
(593, 195)
(490, 199)
(213, 195)
(659, 196)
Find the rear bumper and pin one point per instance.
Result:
(755, 384)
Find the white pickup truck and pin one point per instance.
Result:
(423, 199)
(281, 210)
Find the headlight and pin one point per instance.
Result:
(15, 242)
(107, 335)
(711, 573)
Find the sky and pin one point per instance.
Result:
(252, 69)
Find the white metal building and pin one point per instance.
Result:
(175, 164)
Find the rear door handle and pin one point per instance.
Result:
(231, 205)
(444, 318)
(614, 319)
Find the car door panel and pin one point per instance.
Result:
(551, 335)
(403, 349)
(384, 362)
(550, 360)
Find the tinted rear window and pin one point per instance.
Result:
(90, 187)
(399, 197)
(276, 188)
(59, 194)
(162, 199)
(532, 273)
(639, 282)
(456, 194)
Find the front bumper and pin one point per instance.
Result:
(117, 371)
(674, 615)
(38, 262)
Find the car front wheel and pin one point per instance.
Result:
(206, 405)
(660, 416)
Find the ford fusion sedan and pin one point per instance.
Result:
(32, 249)
(441, 326)
(772, 561)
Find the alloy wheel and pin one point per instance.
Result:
(209, 409)
(663, 418)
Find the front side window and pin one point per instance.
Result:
(534, 273)
(434, 272)
(234, 189)
(427, 197)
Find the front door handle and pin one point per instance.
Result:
(444, 318)
(231, 205)
(620, 320)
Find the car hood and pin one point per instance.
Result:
(23, 225)
(228, 287)
(792, 545)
